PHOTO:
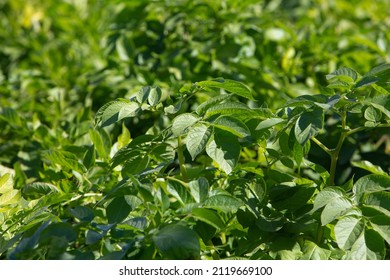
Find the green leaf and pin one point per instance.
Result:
(117, 210)
(115, 111)
(219, 99)
(369, 246)
(181, 123)
(124, 138)
(64, 160)
(140, 223)
(11, 116)
(268, 123)
(162, 153)
(372, 114)
(6, 183)
(177, 242)
(381, 224)
(101, 141)
(292, 198)
(229, 108)
(312, 251)
(334, 202)
(133, 201)
(344, 71)
(199, 189)
(135, 165)
(197, 139)
(89, 157)
(92, 237)
(224, 203)
(123, 48)
(326, 196)
(83, 213)
(154, 96)
(224, 149)
(308, 125)
(10, 197)
(379, 107)
(335, 209)
(369, 184)
(228, 85)
(179, 191)
(366, 165)
(143, 94)
(232, 125)
(347, 231)
(63, 230)
(365, 81)
(39, 189)
(382, 72)
(208, 216)
(379, 74)
(379, 201)
(270, 224)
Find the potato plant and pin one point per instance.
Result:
(221, 180)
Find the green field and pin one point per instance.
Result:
(195, 129)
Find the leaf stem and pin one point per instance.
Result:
(180, 155)
(336, 151)
(322, 146)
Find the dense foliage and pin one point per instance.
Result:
(194, 129)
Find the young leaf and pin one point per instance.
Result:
(154, 96)
(372, 114)
(177, 242)
(308, 125)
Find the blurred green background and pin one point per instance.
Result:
(60, 61)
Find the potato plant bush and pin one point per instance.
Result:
(194, 130)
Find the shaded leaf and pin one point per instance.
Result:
(208, 216)
(117, 210)
(177, 242)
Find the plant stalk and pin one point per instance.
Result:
(180, 155)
